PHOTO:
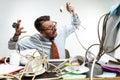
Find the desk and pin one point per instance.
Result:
(116, 78)
(53, 75)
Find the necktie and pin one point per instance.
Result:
(55, 54)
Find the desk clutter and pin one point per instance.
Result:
(54, 69)
(40, 67)
(112, 66)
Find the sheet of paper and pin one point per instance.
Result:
(107, 74)
(9, 69)
(73, 76)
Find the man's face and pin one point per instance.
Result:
(49, 29)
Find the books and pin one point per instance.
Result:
(9, 69)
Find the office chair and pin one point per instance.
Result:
(67, 54)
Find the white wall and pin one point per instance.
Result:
(89, 12)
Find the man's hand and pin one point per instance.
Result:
(18, 31)
(70, 8)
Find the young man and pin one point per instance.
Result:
(48, 31)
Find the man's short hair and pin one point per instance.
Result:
(38, 22)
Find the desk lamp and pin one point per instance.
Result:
(114, 16)
(105, 39)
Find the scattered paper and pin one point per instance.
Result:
(9, 69)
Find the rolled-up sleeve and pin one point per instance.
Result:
(76, 21)
(11, 44)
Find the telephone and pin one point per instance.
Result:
(15, 25)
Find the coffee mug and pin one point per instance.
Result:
(14, 59)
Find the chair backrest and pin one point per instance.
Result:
(67, 54)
